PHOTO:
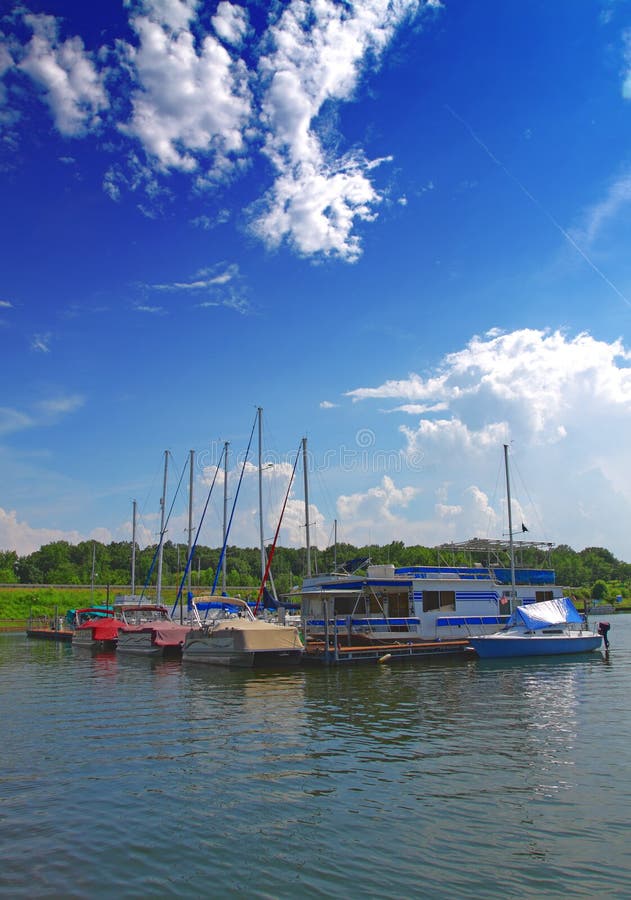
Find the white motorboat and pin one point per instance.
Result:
(551, 628)
(230, 635)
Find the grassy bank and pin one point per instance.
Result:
(18, 604)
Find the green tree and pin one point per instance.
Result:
(600, 590)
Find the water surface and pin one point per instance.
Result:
(129, 777)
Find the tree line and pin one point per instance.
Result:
(63, 563)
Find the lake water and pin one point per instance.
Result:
(138, 778)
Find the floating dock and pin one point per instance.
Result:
(318, 652)
(50, 634)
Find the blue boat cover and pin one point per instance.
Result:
(549, 612)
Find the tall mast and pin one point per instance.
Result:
(510, 532)
(92, 575)
(306, 476)
(133, 548)
(335, 545)
(261, 537)
(225, 512)
(190, 524)
(161, 544)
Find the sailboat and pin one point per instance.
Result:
(550, 628)
(230, 633)
(149, 629)
(546, 628)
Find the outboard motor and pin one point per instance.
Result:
(603, 631)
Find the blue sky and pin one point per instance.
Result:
(402, 228)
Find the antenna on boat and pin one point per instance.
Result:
(510, 532)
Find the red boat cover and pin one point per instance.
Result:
(165, 634)
(102, 629)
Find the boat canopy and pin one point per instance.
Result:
(549, 612)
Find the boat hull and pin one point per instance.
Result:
(506, 647)
(246, 645)
(163, 639)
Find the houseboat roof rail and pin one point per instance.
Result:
(495, 551)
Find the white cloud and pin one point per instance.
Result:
(24, 539)
(6, 304)
(563, 403)
(208, 94)
(74, 89)
(377, 505)
(191, 103)
(319, 51)
(326, 404)
(230, 22)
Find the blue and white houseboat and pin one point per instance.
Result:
(419, 603)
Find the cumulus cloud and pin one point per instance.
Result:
(208, 95)
(192, 101)
(230, 22)
(24, 538)
(318, 54)
(562, 403)
(73, 87)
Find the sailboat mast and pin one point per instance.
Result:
(191, 465)
(161, 544)
(261, 537)
(225, 512)
(133, 548)
(92, 575)
(510, 532)
(306, 478)
(335, 545)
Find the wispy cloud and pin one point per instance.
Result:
(40, 343)
(598, 216)
(45, 412)
(14, 420)
(217, 286)
(57, 406)
(201, 283)
(326, 404)
(6, 304)
(152, 310)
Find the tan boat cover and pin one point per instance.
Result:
(252, 636)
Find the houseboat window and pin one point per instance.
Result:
(439, 600)
(540, 596)
(345, 606)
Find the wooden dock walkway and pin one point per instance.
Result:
(317, 651)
